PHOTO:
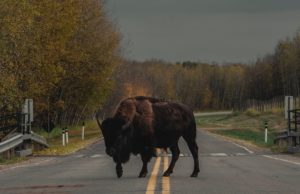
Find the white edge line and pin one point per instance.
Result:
(248, 150)
(241, 154)
(96, 155)
(218, 154)
(283, 160)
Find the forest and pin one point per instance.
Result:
(62, 54)
(66, 56)
(205, 86)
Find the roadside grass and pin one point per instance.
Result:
(255, 137)
(248, 126)
(243, 121)
(12, 160)
(54, 139)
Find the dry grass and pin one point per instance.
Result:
(13, 160)
(252, 112)
(245, 121)
(54, 139)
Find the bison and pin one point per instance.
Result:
(141, 124)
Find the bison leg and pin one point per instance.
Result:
(119, 170)
(175, 155)
(194, 150)
(146, 157)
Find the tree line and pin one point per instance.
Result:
(61, 53)
(206, 86)
(65, 54)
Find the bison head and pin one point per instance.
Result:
(117, 139)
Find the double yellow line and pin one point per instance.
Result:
(166, 180)
(153, 178)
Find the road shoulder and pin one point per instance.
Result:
(250, 146)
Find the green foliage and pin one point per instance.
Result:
(56, 132)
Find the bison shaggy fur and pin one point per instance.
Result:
(141, 124)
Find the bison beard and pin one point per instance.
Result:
(142, 123)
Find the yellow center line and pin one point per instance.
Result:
(152, 180)
(166, 180)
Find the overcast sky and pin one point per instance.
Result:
(203, 30)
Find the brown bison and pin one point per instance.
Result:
(141, 124)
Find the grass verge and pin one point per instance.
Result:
(54, 139)
(248, 126)
(255, 137)
(13, 160)
(243, 121)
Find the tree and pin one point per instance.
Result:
(61, 52)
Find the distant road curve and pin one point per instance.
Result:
(200, 114)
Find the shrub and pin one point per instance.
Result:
(252, 112)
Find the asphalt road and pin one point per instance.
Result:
(225, 168)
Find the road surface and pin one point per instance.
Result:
(225, 168)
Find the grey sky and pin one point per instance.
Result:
(203, 30)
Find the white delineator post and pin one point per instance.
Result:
(67, 136)
(266, 132)
(63, 137)
(82, 132)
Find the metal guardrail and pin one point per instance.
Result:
(293, 119)
(36, 138)
(11, 143)
(290, 138)
(18, 139)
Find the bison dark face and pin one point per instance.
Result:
(116, 139)
(111, 130)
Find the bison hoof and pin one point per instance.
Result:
(194, 174)
(167, 174)
(119, 173)
(143, 174)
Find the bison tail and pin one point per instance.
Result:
(97, 119)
